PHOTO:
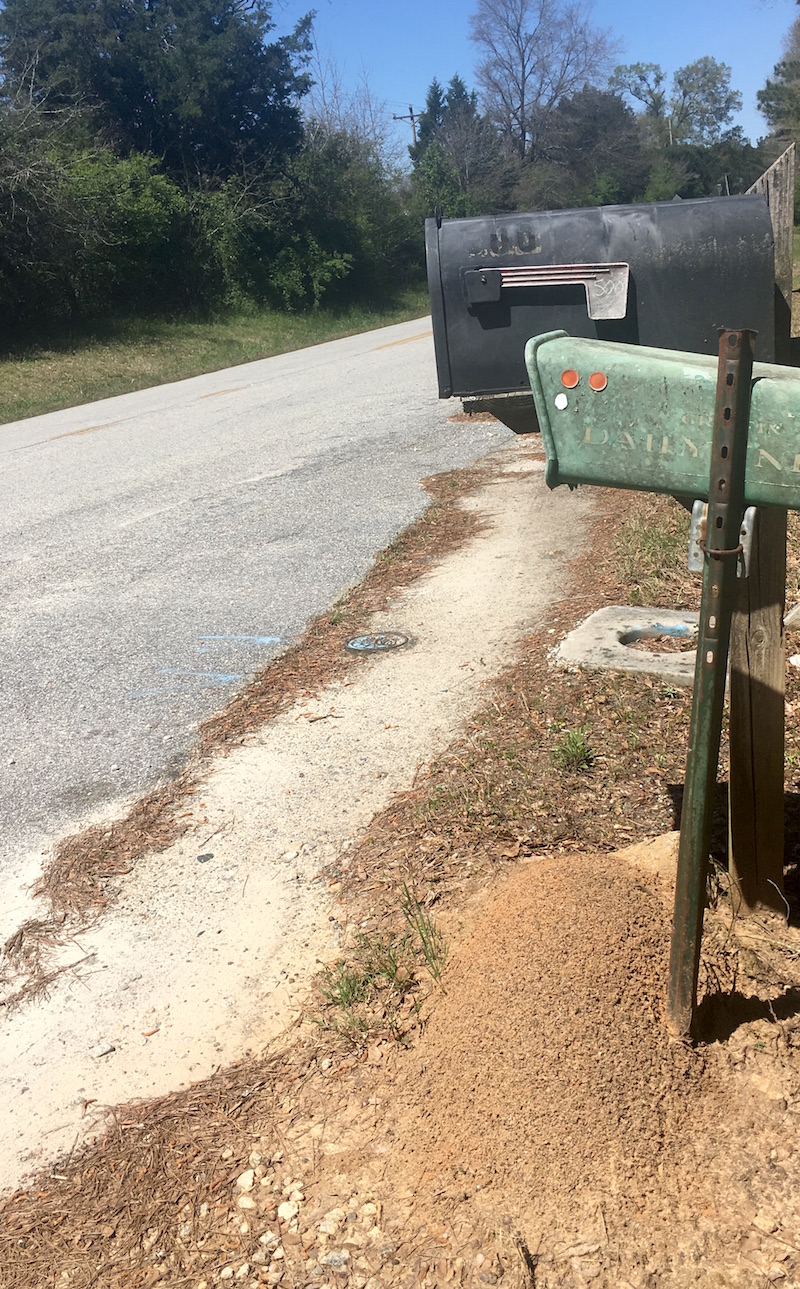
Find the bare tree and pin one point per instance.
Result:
(534, 53)
(335, 108)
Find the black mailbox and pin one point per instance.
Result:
(666, 274)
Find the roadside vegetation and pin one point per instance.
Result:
(183, 186)
(83, 365)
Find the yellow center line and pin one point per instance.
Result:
(87, 429)
(422, 336)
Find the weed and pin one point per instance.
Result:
(572, 751)
(376, 991)
(385, 959)
(344, 985)
(432, 943)
(339, 614)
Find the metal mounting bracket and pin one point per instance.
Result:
(697, 537)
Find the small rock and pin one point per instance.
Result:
(274, 1277)
(327, 1227)
(278, 1254)
(268, 1239)
(764, 1222)
(277, 1157)
(369, 1210)
(204, 1209)
(246, 1180)
(243, 1272)
(337, 1259)
(226, 1273)
(227, 1153)
(245, 1201)
(102, 1049)
(326, 1063)
(244, 1228)
(255, 1158)
(287, 1211)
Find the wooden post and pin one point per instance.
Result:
(758, 663)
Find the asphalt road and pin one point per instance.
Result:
(160, 547)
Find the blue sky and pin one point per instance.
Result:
(402, 44)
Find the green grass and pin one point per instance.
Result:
(376, 990)
(134, 355)
(573, 751)
(431, 944)
(651, 550)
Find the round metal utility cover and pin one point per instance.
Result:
(378, 643)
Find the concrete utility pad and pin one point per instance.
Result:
(608, 639)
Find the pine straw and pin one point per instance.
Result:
(82, 877)
(112, 1214)
(498, 793)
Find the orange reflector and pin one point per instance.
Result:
(598, 380)
(569, 379)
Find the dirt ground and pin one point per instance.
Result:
(541, 1129)
(525, 1118)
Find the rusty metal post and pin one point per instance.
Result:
(725, 510)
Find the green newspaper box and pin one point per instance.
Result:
(626, 416)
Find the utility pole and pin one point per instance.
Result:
(413, 117)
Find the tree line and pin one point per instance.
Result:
(180, 157)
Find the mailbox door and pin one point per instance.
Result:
(692, 267)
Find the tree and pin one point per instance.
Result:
(698, 111)
(595, 141)
(459, 165)
(703, 102)
(533, 54)
(643, 83)
(779, 100)
(429, 121)
(191, 81)
(352, 110)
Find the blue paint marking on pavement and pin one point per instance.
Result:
(207, 679)
(265, 640)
